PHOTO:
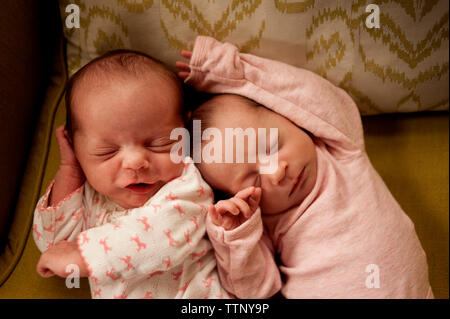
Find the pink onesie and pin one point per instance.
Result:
(349, 238)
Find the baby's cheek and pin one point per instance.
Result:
(167, 168)
(101, 177)
(269, 202)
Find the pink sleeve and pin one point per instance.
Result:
(245, 259)
(305, 98)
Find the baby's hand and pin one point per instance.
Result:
(55, 260)
(233, 212)
(66, 152)
(70, 176)
(183, 66)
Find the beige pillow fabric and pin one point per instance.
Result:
(402, 66)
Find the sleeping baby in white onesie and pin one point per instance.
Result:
(119, 208)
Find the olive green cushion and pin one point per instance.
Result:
(410, 152)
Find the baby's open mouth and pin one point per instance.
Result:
(140, 188)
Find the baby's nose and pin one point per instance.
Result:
(136, 160)
(279, 174)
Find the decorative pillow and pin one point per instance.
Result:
(402, 66)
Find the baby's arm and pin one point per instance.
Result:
(55, 229)
(70, 176)
(60, 222)
(59, 213)
(244, 254)
(298, 94)
(153, 238)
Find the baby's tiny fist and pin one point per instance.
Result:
(55, 260)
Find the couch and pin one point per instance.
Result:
(409, 150)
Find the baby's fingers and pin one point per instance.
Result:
(61, 138)
(185, 70)
(225, 206)
(251, 195)
(245, 193)
(216, 218)
(65, 149)
(243, 206)
(43, 270)
(186, 54)
(254, 199)
(228, 222)
(183, 75)
(183, 66)
(46, 273)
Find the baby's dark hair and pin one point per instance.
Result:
(119, 63)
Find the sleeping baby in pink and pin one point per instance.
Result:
(324, 212)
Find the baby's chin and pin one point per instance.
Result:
(131, 202)
(275, 206)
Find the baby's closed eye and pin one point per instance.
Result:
(105, 152)
(160, 145)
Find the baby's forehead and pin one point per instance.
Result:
(127, 106)
(154, 86)
(112, 77)
(237, 111)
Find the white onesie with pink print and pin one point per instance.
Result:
(156, 251)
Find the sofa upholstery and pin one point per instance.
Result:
(22, 86)
(28, 36)
(410, 151)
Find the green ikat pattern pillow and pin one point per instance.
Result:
(389, 55)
